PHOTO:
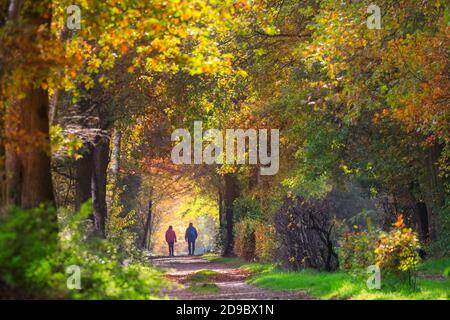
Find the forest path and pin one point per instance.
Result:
(229, 280)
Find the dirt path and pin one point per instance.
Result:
(230, 280)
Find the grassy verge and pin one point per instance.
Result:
(440, 267)
(200, 281)
(343, 285)
(201, 276)
(204, 288)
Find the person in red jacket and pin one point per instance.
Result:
(171, 238)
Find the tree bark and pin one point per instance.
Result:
(98, 184)
(37, 187)
(231, 193)
(420, 216)
(13, 179)
(34, 170)
(435, 191)
(221, 215)
(148, 226)
(14, 9)
(115, 154)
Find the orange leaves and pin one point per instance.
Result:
(398, 250)
(377, 116)
(123, 48)
(400, 224)
(423, 90)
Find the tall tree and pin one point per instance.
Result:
(231, 193)
(29, 181)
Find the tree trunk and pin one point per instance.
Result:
(231, 193)
(13, 179)
(37, 184)
(435, 191)
(420, 214)
(148, 226)
(221, 213)
(14, 9)
(31, 178)
(83, 178)
(115, 154)
(101, 159)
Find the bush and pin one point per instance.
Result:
(441, 247)
(244, 241)
(357, 250)
(306, 234)
(34, 258)
(398, 251)
(246, 208)
(266, 244)
(28, 242)
(254, 240)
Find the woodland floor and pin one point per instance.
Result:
(231, 281)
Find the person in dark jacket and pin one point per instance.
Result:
(190, 237)
(171, 238)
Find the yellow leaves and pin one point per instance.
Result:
(65, 143)
(186, 15)
(154, 64)
(87, 81)
(93, 65)
(346, 169)
(158, 44)
(398, 250)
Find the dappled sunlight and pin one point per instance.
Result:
(179, 212)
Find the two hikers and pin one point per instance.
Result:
(190, 236)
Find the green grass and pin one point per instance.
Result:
(439, 267)
(201, 275)
(343, 285)
(204, 288)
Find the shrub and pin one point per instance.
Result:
(441, 247)
(265, 241)
(398, 251)
(28, 242)
(34, 257)
(246, 208)
(306, 235)
(254, 240)
(244, 241)
(357, 249)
